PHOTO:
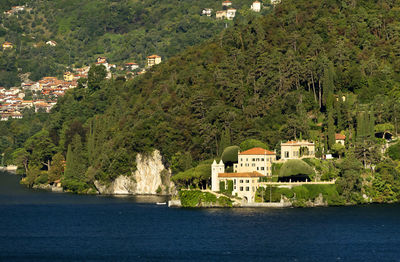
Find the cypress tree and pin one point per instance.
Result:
(331, 130)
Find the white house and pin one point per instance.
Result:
(297, 150)
(230, 13)
(340, 139)
(51, 43)
(207, 11)
(256, 6)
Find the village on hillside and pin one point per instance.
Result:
(42, 95)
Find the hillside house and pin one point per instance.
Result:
(297, 150)
(51, 43)
(7, 45)
(340, 139)
(256, 6)
(68, 76)
(245, 184)
(207, 11)
(220, 14)
(226, 3)
(275, 2)
(230, 13)
(131, 66)
(153, 60)
(101, 60)
(255, 159)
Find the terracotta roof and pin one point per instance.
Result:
(297, 143)
(257, 151)
(153, 56)
(340, 137)
(244, 174)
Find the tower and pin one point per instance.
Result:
(215, 170)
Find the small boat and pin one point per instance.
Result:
(161, 203)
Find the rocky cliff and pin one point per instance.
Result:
(151, 177)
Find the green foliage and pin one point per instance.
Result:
(251, 143)
(301, 194)
(230, 187)
(230, 155)
(222, 187)
(349, 183)
(294, 167)
(74, 176)
(199, 175)
(385, 183)
(57, 167)
(394, 151)
(196, 198)
(96, 74)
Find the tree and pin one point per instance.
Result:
(41, 149)
(349, 183)
(230, 155)
(74, 174)
(96, 74)
(57, 167)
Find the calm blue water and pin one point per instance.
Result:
(41, 226)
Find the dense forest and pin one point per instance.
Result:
(309, 69)
(123, 31)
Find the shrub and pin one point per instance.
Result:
(394, 151)
(196, 198)
(230, 187)
(230, 155)
(295, 167)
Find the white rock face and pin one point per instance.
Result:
(147, 179)
(148, 173)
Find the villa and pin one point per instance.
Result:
(297, 150)
(255, 159)
(153, 60)
(244, 185)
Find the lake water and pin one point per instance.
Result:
(43, 226)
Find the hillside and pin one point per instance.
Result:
(123, 31)
(310, 69)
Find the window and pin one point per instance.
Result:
(247, 159)
(247, 188)
(253, 159)
(241, 159)
(241, 188)
(262, 168)
(241, 164)
(257, 168)
(241, 181)
(234, 187)
(234, 181)
(286, 154)
(253, 164)
(247, 181)
(262, 159)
